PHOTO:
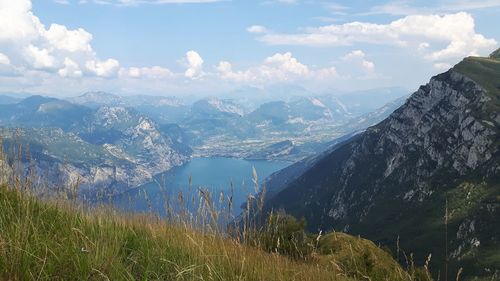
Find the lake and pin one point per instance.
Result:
(226, 179)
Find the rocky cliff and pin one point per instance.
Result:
(106, 150)
(427, 177)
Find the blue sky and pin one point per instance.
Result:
(168, 47)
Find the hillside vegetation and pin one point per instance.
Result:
(55, 241)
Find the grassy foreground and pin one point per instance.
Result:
(53, 241)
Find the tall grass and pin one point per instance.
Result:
(57, 238)
(53, 241)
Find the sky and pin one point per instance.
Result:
(210, 47)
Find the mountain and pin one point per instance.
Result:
(338, 110)
(109, 149)
(97, 99)
(38, 111)
(7, 99)
(310, 109)
(279, 180)
(309, 122)
(294, 115)
(276, 112)
(164, 110)
(214, 108)
(213, 117)
(64, 159)
(436, 157)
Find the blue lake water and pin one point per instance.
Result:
(224, 178)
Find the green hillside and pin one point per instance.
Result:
(53, 241)
(485, 72)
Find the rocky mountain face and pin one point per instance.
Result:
(140, 137)
(108, 149)
(425, 180)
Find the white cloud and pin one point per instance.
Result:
(31, 46)
(107, 68)
(287, 64)
(70, 69)
(277, 68)
(39, 58)
(326, 73)
(257, 29)
(17, 23)
(281, 67)
(155, 72)
(359, 57)
(194, 64)
(61, 38)
(455, 31)
(4, 59)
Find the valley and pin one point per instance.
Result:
(110, 144)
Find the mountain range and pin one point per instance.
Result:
(109, 143)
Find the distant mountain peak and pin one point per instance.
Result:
(36, 100)
(96, 98)
(221, 105)
(101, 96)
(98, 94)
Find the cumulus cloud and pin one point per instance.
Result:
(358, 57)
(107, 68)
(194, 64)
(287, 64)
(281, 67)
(70, 69)
(39, 58)
(155, 72)
(61, 38)
(427, 32)
(57, 49)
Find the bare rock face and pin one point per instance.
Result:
(108, 151)
(437, 154)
